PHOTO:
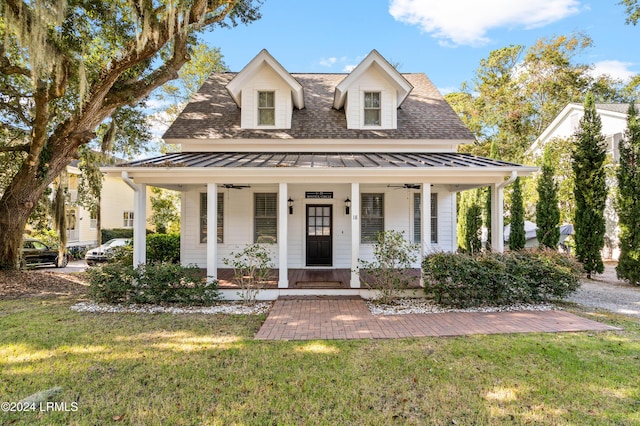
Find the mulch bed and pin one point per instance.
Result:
(17, 284)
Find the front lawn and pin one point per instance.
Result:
(207, 369)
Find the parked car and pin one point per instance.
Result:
(37, 253)
(102, 253)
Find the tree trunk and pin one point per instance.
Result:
(17, 203)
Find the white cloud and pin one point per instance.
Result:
(615, 69)
(349, 68)
(328, 62)
(467, 22)
(448, 89)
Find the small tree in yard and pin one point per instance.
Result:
(251, 268)
(390, 272)
(628, 202)
(517, 236)
(590, 189)
(547, 210)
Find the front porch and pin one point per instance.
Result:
(305, 279)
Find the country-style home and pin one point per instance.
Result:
(316, 165)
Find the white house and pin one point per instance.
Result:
(614, 124)
(316, 164)
(116, 209)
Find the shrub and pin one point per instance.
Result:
(157, 283)
(251, 268)
(464, 280)
(163, 248)
(110, 234)
(390, 271)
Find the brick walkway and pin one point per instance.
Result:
(309, 319)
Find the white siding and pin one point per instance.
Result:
(238, 221)
(371, 81)
(266, 80)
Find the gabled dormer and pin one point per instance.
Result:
(266, 94)
(371, 94)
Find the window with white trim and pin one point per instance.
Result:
(93, 220)
(371, 108)
(417, 217)
(203, 217)
(265, 216)
(266, 109)
(371, 217)
(127, 219)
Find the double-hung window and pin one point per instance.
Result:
(265, 214)
(417, 217)
(127, 219)
(371, 108)
(203, 217)
(266, 109)
(372, 217)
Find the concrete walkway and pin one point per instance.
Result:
(310, 319)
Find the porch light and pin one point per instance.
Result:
(347, 206)
(290, 202)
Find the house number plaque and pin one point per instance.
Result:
(318, 195)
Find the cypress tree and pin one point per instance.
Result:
(547, 210)
(517, 236)
(590, 189)
(628, 202)
(474, 223)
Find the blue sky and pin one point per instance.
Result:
(444, 39)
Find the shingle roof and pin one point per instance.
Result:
(321, 160)
(621, 108)
(212, 114)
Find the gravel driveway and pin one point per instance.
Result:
(607, 292)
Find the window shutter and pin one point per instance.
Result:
(203, 217)
(372, 217)
(265, 217)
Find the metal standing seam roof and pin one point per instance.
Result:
(320, 160)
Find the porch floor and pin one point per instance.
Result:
(349, 318)
(308, 278)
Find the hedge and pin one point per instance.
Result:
(493, 279)
(157, 283)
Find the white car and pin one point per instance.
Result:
(101, 253)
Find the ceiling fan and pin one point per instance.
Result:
(232, 186)
(405, 186)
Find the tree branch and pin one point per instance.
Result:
(15, 148)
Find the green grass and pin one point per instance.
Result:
(201, 369)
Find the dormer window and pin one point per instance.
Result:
(371, 108)
(266, 109)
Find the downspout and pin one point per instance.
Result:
(128, 181)
(512, 178)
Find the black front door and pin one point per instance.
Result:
(319, 235)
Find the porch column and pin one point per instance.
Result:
(283, 211)
(212, 231)
(425, 225)
(355, 234)
(140, 225)
(497, 218)
(425, 220)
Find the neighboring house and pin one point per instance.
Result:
(316, 164)
(614, 124)
(116, 209)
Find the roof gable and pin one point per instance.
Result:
(264, 58)
(375, 60)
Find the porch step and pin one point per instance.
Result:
(319, 297)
